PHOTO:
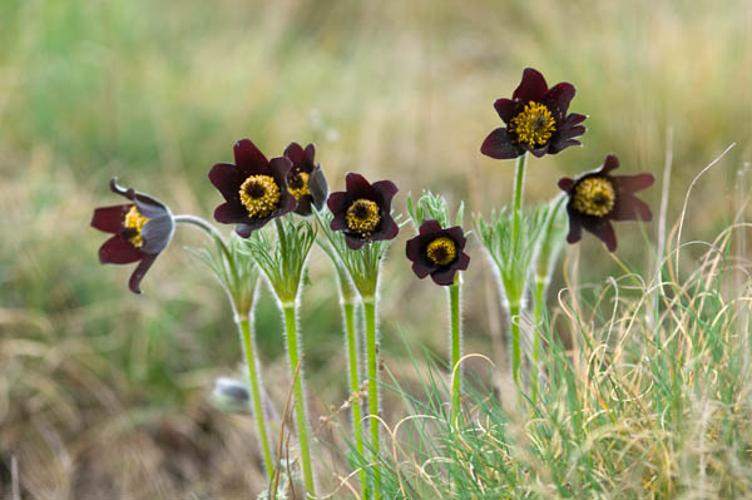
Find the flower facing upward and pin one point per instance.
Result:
(141, 230)
(536, 120)
(438, 252)
(255, 189)
(362, 211)
(597, 198)
(306, 180)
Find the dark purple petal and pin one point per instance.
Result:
(566, 184)
(339, 222)
(420, 268)
(146, 205)
(610, 163)
(318, 187)
(109, 219)
(500, 145)
(310, 154)
(558, 98)
(295, 154)
(354, 243)
(280, 168)
(118, 250)
(389, 229)
(387, 189)
(413, 248)
(506, 108)
(337, 202)
(633, 183)
(243, 230)
(458, 236)
(134, 283)
(575, 118)
(157, 234)
(540, 151)
(229, 213)
(227, 179)
(575, 226)
(444, 277)
(286, 204)
(560, 144)
(533, 86)
(630, 207)
(429, 227)
(304, 206)
(357, 186)
(248, 158)
(602, 229)
(463, 262)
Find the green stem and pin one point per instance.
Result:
(519, 180)
(539, 304)
(369, 305)
(246, 339)
(455, 332)
(348, 309)
(514, 326)
(301, 420)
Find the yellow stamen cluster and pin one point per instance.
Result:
(135, 222)
(363, 217)
(442, 251)
(260, 195)
(594, 196)
(298, 185)
(534, 125)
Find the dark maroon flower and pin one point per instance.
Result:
(438, 252)
(536, 120)
(362, 211)
(597, 198)
(306, 180)
(142, 229)
(255, 189)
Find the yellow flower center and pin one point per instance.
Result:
(594, 196)
(534, 125)
(363, 217)
(442, 251)
(260, 195)
(135, 222)
(297, 184)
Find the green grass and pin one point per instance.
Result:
(156, 94)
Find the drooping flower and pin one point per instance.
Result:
(536, 120)
(141, 230)
(438, 252)
(255, 189)
(597, 198)
(362, 211)
(306, 180)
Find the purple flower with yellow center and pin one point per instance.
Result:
(306, 180)
(597, 198)
(141, 230)
(363, 211)
(255, 189)
(438, 252)
(536, 120)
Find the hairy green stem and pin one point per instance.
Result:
(248, 345)
(455, 332)
(301, 419)
(519, 180)
(539, 305)
(369, 306)
(348, 310)
(514, 327)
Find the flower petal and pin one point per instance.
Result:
(560, 144)
(429, 226)
(633, 183)
(413, 248)
(294, 152)
(533, 86)
(603, 230)
(353, 242)
(357, 186)
(134, 283)
(227, 178)
(558, 98)
(421, 270)
(310, 154)
(566, 184)
(337, 202)
(389, 229)
(463, 262)
(157, 234)
(610, 163)
(506, 108)
(630, 207)
(445, 277)
(229, 213)
(458, 236)
(500, 145)
(248, 157)
(387, 189)
(575, 226)
(318, 187)
(118, 250)
(109, 219)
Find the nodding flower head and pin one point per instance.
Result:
(255, 189)
(141, 230)
(438, 252)
(362, 211)
(306, 180)
(536, 120)
(597, 198)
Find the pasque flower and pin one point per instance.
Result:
(438, 252)
(536, 120)
(597, 198)
(306, 180)
(255, 189)
(141, 230)
(362, 211)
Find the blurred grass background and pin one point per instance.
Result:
(99, 387)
